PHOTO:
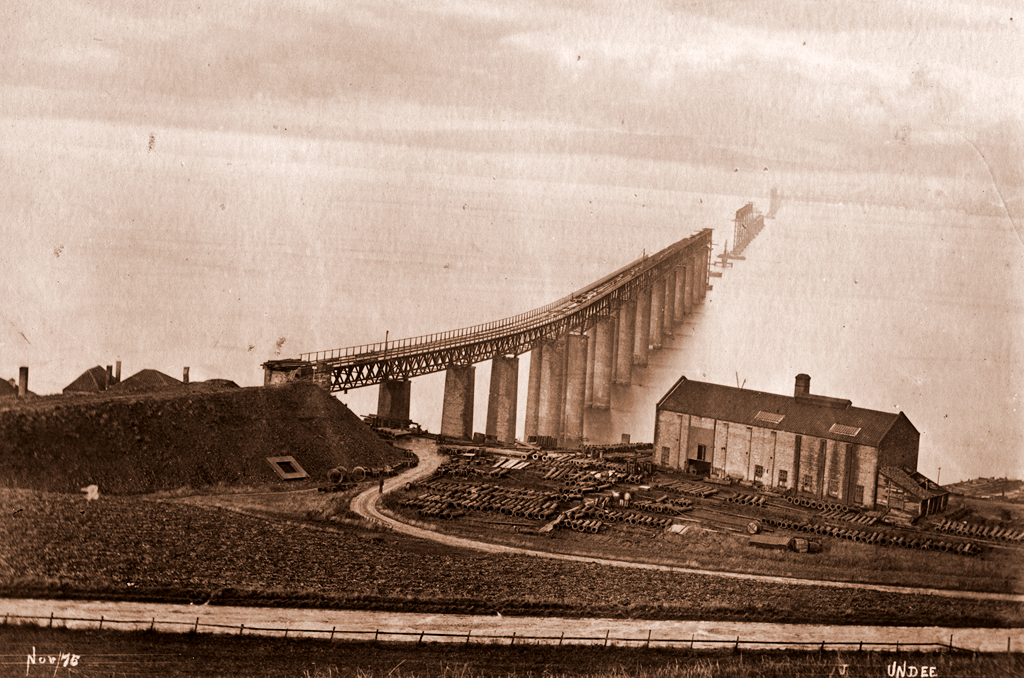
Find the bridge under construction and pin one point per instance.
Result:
(579, 345)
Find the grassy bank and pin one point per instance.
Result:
(60, 546)
(216, 656)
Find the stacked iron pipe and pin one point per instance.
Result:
(744, 498)
(848, 516)
(577, 524)
(477, 497)
(627, 517)
(625, 448)
(998, 532)
(874, 537)
(692, 489)
(818, 504)
(663, 506)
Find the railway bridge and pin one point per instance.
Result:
(579, 345)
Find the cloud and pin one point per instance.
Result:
(730, 73)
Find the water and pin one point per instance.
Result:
(895, 310)
(220, 250)
(454, 628)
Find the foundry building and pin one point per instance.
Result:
(814, 446)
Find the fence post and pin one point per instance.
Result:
(606, 637)
(152, 623)
(691, 640)
(514, 639)
(561, 638)
(860, 648)
(467, 637)
(51, 620)
(375, 633)
(101, 622)
(332, 632)
(648, 638)
(286, 633)
(951, 642)
(195, 629)
(241, 628)
(1008, 645)
(897, 646)
(420, 641)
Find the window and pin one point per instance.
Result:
(833, 488)
(664, 456)
(758, 472)
(858, 494)
(806, 485)
(702, 452)
(783, 478)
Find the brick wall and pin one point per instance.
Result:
(785, 453)
(666, 434)
(900, 445)
(738, 455)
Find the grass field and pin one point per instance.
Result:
(60, 546)
(111, 653)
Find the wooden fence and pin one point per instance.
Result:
(465, 638)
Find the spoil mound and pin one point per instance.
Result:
(182, 437)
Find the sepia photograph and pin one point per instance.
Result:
(478, 338)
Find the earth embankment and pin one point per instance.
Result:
(195, 435)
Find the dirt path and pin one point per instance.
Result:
(366, 505)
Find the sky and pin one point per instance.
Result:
(217, 186)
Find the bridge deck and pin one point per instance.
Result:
(357, 366)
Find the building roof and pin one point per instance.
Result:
(913, 483)
(93, 380)
(146, 380)
(811, 415)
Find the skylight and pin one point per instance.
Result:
(842, 430)
(769, 417)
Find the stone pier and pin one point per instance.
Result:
(669, 326)
(604, 363)
(502, 398)
(393, 399)
(624, 350)
(642, 335)
(657, 312)
(575, 388)
(552, 389)
(531, 426)
(457, 408)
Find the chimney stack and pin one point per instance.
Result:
(109, 379)
(803, 385)
(184, 376)
(22, 382)
(117, 372)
